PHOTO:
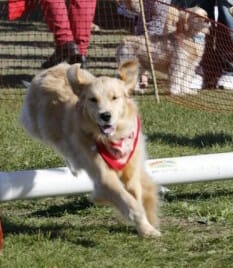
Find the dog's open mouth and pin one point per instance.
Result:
(106, 129)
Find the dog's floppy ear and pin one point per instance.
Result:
(182, 24)
(128, 72)
(78, 78)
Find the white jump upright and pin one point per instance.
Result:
(59, 181)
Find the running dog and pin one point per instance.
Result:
(94, 124)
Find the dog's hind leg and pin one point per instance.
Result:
(150, 199)
(144, 191)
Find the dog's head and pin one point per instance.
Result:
(172, 19)
(103, 100)
(193, 21)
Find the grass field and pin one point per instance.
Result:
(196, 219)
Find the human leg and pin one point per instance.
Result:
(225, 34)
(57, 19)
(224, 44)
(81, 17)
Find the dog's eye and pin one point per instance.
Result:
(93, 99)
(114, 98)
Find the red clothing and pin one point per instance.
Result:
(118, 153)
(16, 9)
(75, 26)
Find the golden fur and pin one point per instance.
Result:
(176, 54)
(64, 107)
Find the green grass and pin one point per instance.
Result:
(196, 219)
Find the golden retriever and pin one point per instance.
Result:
(176, 54)
(94, 124)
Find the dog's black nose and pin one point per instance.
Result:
(105, 116)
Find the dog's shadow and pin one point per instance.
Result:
(72, 207)
(207, 139)
(197, 195)
(78, 235)
(50, 230)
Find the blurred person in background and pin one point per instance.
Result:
(71, 29)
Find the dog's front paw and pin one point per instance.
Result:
(152, 233)
(148, 230)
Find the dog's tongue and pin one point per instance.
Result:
(107, 129)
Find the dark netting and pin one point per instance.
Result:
(190, 52)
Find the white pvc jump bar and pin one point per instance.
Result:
(59, 181)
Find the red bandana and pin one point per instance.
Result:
(118, 153)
